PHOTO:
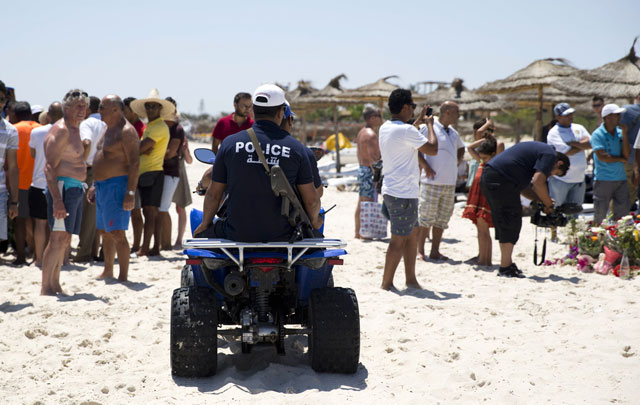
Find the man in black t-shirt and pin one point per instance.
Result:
(253, 212)
(521, 169)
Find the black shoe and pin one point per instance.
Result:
(511, 271)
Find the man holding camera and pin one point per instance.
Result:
(521, 169)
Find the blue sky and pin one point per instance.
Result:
(210, 50)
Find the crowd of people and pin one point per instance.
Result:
(421, 158)
(88, 166)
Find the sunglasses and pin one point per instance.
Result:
(596, 105)
(76, 94)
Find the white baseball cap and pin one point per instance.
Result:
(268, 95)
(612, 109)
(36, 109)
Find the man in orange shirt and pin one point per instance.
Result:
(23, 225)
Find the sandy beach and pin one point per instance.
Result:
(558, 336)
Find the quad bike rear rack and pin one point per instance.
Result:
(226, 244)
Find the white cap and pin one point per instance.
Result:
(268, 95)
(612, 109)
(36, 109)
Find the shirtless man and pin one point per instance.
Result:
(115, 169)
(368, 153)
(64, 155)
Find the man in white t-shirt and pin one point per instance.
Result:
(438, 183)
(8, 153)
(91, 131)
(399, 145)
(572, 140)
(37, 198)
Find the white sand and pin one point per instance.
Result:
(558, 336)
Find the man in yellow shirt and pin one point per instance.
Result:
(152, 150)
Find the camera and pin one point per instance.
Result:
(429, 112)
(558, 218)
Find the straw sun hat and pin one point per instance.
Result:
(168, 109)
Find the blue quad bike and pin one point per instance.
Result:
(259, 293)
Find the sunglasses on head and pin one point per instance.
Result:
(76, 94)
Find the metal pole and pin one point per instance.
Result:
(539, 115)
(337, 139)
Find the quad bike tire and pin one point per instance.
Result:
(194, 330)
(186, 277)
(334, 338)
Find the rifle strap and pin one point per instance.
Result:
(256, 145)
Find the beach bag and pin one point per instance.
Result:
(373, 225)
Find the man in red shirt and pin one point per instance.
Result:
(23, 225)
(235, 122)
(133, 117)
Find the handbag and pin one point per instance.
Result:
(373, 225)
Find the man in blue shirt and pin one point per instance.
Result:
(253, 212)
(521, 169)
(630, 120)
(611, 149)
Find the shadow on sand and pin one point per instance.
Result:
(132, 285)
(264, 370)
(554, 277)
(9, 307)
(82, 296)
(424, 293)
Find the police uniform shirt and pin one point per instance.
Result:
(253, 210)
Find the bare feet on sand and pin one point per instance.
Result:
(152, 252)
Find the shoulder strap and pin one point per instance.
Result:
(256, 145)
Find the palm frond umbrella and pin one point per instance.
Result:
(327, 97)
(619, 79)
(467, 100)
(537, 76)
(304, 88)
(377, 92)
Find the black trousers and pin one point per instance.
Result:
(504, 199)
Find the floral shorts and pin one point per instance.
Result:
(436, 204)
(365, 182)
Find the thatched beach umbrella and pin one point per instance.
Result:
(467, 100)
(536, 76)
(619, 79)
(377, 92)
(327, 97)
(304, 88)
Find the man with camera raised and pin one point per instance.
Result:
(521, 169)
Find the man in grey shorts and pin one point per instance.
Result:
(399, 143)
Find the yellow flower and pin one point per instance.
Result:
(636, 234)
(594, 238)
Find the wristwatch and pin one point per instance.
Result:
(131, 192)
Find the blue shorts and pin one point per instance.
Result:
(110, 195)
(365, 182)
(72, 199)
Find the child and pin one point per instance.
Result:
(477, 209)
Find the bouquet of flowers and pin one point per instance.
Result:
(591, 242)
(624, 236)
